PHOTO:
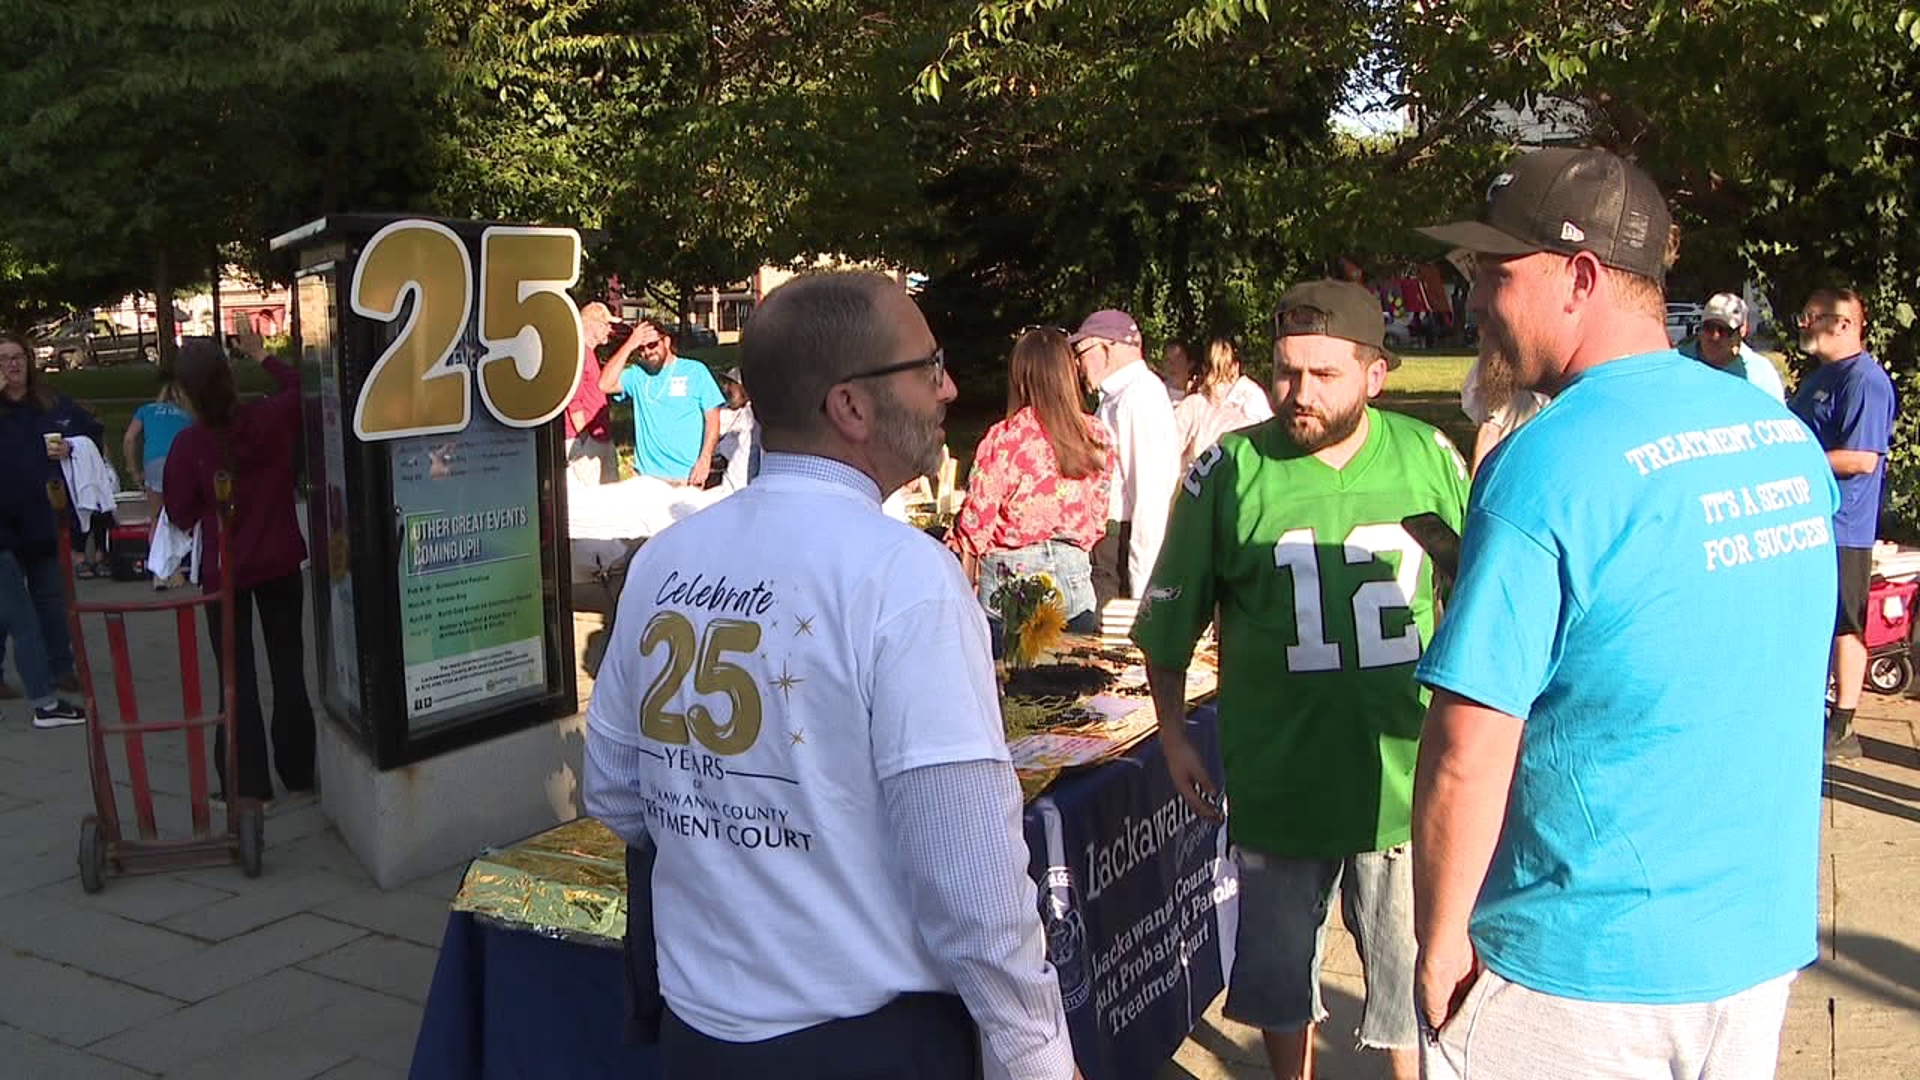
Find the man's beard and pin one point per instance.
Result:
(913, 440)
(1498, 377)
(1331, 428)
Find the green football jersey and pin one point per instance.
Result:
(1325, 604)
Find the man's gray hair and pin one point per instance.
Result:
(809, 335)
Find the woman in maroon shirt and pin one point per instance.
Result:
(256, 443)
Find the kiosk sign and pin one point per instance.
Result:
(472, 626)
(465, 480)
(437, 357)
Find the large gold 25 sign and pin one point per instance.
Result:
(529, 327)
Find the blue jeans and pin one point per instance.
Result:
(33, 611)
(1070, 568)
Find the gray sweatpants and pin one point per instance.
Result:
(1505, 1031)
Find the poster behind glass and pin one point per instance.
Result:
(472, 616)
(340, 663)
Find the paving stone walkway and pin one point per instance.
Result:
(311, 971)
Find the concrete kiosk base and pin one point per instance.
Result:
(414, 820)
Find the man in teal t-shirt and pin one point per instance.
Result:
(676, 406)
(1290, 534)
(1616, 823)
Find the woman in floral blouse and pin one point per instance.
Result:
(1037, 496)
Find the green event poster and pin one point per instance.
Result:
(471, 621)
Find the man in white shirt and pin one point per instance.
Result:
(739, 441)
(1722, 343)
(1135, 407)
(1492, 400)
(808, 731)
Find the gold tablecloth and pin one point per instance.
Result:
(569, 882)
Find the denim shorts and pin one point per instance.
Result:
(1284, 904)
(1070, 568)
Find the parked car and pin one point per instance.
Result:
(87, 341)
(1683, 321)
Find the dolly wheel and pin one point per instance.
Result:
(93, 856)
(1889, 674)
(253, 838)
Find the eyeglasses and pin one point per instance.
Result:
(1713, 330)
(1805, 319)
(937, 360)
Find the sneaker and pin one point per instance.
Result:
(1845, 747)
(58, 714)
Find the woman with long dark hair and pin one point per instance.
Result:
(33, 607)
(1037, 495)
(255, 443)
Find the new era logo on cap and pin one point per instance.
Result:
(1570, 200)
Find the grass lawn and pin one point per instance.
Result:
(113, 393)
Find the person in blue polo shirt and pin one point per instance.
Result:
(1848, 402)
(676, 406)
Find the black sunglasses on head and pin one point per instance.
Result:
(1031, 327)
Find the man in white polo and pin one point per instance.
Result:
(1135, 407)
(808, 731)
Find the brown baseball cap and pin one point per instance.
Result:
(1570, 200)
(1338, 309)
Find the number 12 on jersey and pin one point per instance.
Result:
(528, 325)
(1297, 553)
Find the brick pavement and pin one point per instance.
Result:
(312, 971)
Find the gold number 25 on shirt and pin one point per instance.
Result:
(713, 675)
(528, 326)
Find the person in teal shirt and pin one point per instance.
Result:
(150, 436)
(1722, 345)
(676, 406)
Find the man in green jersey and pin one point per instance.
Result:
(1289, 532)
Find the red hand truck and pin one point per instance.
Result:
(103, 848)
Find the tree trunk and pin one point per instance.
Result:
(163, 307)
(219, 327)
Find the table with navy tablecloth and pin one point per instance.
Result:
(1137, 893)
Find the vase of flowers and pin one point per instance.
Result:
(1033, 618)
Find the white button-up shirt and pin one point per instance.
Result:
(1135, 407)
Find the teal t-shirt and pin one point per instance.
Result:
(669, 415)
(160, 421)
(1647, 580)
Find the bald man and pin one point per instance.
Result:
(807, 732)
(590, 454)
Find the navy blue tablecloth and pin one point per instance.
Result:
(1138, 897)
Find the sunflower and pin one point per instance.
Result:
(1041, 632)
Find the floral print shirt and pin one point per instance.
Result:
(1016, 496)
